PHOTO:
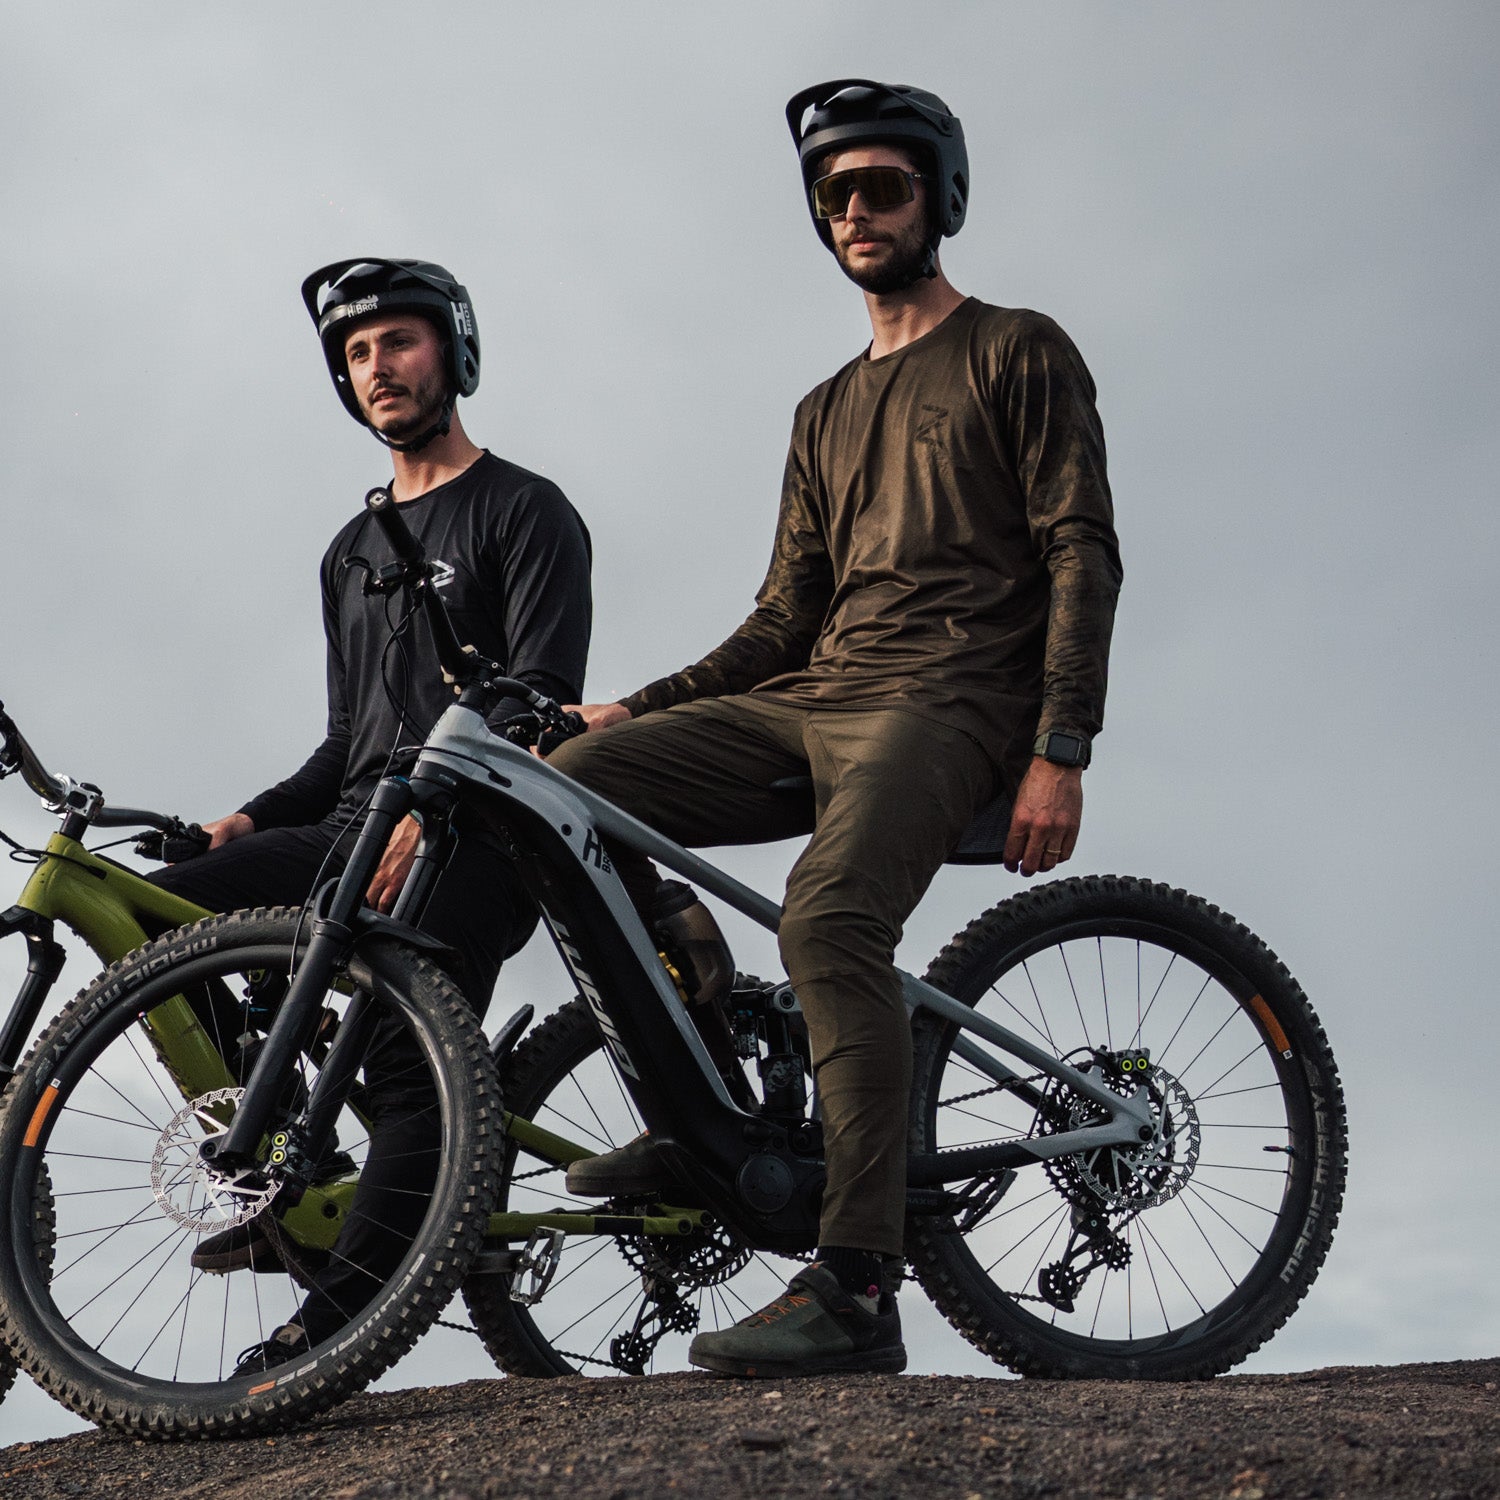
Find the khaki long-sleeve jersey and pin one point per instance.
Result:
(946, 542)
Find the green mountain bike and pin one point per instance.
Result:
(1126, 1130)
(105, 904)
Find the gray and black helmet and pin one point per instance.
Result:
(849, 112)
(368, 285)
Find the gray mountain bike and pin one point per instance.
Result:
(1126, 1147)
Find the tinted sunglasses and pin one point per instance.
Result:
(880, 187)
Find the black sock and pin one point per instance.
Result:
(857, 1271)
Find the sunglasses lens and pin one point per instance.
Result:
(879, 187)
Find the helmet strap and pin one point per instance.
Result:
(440, 428)
(929, 267)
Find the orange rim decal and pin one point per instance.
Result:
(1272, 1025)
(39, 1115)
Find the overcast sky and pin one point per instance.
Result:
(1271, 230)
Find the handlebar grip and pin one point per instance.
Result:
(131, 817)
(382, 505)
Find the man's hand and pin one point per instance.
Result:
(395, 865)
(600, 715)
(223, 830)
(1044, 825)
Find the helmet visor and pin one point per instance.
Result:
(335, 291)
(878, 187)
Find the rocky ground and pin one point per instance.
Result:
(1415, 1430)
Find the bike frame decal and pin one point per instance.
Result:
(574, 961)
(1272, 1025)
(39, 1115)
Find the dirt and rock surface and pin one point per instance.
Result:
(1414, 1430)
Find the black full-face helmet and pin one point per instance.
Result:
(848, 112)
(370, 285)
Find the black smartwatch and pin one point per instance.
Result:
(1062, 749)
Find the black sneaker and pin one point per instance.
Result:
(236, 1248)
(289, 1342)
(634, 1170)
(248, 1244)
(814, 1328)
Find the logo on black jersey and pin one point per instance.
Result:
(442, 573)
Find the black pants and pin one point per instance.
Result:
(481, 911)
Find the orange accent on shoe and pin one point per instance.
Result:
(779, 1309)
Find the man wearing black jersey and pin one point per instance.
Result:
(401, 345)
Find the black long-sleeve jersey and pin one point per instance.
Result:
(513, 568)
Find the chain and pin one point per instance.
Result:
(994, 1088)
(578, 1359)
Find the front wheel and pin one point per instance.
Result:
(1171, 1260)
(114, 1102)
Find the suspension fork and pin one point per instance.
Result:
(357, 1030)
(297, 1019)
(44, 960)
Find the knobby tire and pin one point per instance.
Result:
(1249, 1175)
(150, 1349)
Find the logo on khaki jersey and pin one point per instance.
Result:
(932, 425)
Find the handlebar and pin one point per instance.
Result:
(63, 795)
(17, 755)
(463, 664)
(459, 662)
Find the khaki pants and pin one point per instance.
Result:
(894, 792)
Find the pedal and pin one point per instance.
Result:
(536, 1266)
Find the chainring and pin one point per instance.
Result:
(704, 1258)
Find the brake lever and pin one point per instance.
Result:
(172, 846)
(566, 726)
(543, 730)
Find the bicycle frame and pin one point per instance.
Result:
(111, 909)
(557, 830)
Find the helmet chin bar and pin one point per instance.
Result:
(440, 428)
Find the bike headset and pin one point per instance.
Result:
(849, 112)
(370, 285)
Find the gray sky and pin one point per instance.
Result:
(1271, 230)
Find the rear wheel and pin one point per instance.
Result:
(114, 1102)
(617, 1304)
(1171, 1260)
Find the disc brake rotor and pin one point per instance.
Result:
(1129, 1178)
(187, 1189)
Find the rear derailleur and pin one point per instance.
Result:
(1092, 1243)
(661, 1311)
